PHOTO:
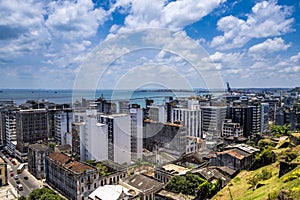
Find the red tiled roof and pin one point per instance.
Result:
(68, 163)
(59, 157)
(78, 167)
(232, 153)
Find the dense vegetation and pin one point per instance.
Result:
(192, 184)
(102, 169)
(42, 194)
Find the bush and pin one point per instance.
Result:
(264, 175)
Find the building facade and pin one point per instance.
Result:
(36, 159)
(191, 119)
(32, 127)
(136, 115)
(75, 180)
(3, 173)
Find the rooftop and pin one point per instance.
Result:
(68, 163)
(246, 148)
(112, 192)
(141, 183)
(175, 169)
(39, 147)
(237, 153)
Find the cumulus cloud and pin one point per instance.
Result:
(74, 20)
(266, 19)
(159, 13)
(21, 28)
(266, 48)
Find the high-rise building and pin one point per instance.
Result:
(97, 136)
(136, 115)
(32, 127)
(119, 137)
(62, 126)
(11, 130)
(157, 113)
(264, 117)
(212, 120)
(191, 119)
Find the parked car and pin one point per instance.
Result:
(18, 181)
(20, 187)
(12, 174)
(11, 170)
(16, 177)
(26, 177)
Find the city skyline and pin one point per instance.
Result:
(251, 43)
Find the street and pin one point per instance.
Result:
(28, 181)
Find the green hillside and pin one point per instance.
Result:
(240, 187)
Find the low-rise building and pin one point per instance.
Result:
(73, 179)
(36, 159)
(235, 159)
(3, 173)
(166, 172)
(143, 186)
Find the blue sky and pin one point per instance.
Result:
(251, 43)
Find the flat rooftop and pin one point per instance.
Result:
(175, 169)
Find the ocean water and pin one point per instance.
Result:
(20, 96)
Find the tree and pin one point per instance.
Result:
(284, 130)
(43, 194)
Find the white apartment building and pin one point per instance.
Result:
(63, 125)
(191, 119)
(119, 137)
(93, 137)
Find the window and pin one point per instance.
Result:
(82, 189)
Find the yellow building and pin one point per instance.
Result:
(3, 173)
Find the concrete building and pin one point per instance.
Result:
(36, 159)
(191, 119)
(212, 120)
(32, 127)
(136, 115)
(11, 131)
(118, 137)
(89, 138)
(157, 113)
(75, 180)
(264, 117)
(165, 137)
(62, 126)
(231, 129)
(3, 173)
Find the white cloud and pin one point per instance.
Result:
(21, 28)
(266, 19)
(295, 58)
(74, 20)
(266, 48)
(160, 14)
